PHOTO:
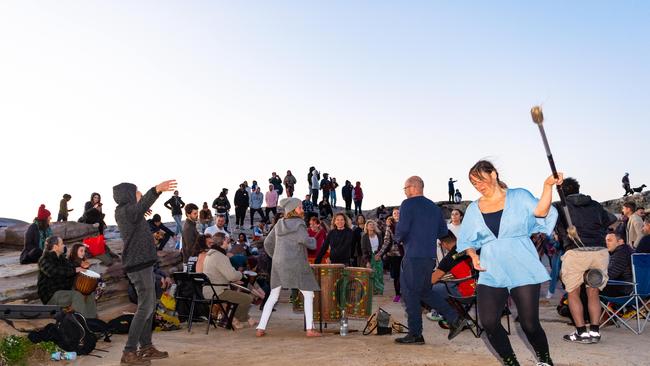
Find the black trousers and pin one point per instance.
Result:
(270, 209)
(258, 210)
(314, 197)
(240, 215)
(348, 205)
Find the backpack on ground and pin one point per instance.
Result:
(100, 329)
(70, 332)
(121, 324)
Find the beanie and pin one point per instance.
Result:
(43, 213)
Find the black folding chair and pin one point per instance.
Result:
(198, 281)
(465, 304)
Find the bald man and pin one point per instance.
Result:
(420, 225)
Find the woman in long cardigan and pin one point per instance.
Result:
(287, 245)
(371, 242)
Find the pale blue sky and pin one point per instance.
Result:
(93, 93)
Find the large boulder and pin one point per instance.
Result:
(615, 206)
(71, 231)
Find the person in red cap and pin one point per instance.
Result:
(35, 237)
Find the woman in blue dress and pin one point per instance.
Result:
(496, 235)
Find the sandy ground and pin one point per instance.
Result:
(286, 344)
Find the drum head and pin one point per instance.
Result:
(250, 273)
(91, 274)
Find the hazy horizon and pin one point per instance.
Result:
(96, 93)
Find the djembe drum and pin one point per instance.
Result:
(86, 282)
(358, 292)
(329, 278)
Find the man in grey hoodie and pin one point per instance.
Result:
(138, 257)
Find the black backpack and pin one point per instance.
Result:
(100, 329)
(70, 332)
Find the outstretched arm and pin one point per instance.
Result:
(544, 204)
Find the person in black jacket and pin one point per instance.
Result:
(591, 221)
(346, 193)
(56, 276)
(357, 252)
(620, 265)
(339, 241)
(35, 237)
(222, 206)
(93, 212)
(138, 258)
(242, 200)
(176, 204)
(156, 226)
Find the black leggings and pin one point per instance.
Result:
(491, 302)
(395, 268)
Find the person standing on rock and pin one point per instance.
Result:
(175, 205)
(357, 196)
(346, 193)
(287, 245)
(242, 200)
(35, 237)
(626, 185)
(139, 257)
(333, 188)
(315, 186)
(326, 186)
(451, 189)
(63, 208)
(277, 183)
(222, 206)
(289, 183)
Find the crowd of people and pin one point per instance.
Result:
(496, 245)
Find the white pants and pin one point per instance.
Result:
(273, 298)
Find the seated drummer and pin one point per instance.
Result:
(219, 270)
(56, 275)
(459, 268)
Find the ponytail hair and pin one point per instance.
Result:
(485, 167)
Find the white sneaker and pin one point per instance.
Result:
(549, 295)
(595, 336)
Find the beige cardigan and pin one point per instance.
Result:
(219, 270)
(634, 227)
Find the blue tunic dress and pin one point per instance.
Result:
(511, 259)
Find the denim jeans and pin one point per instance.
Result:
(179, 224)
(140, 329)
(556, 265)
(333, 198)
(357, 207)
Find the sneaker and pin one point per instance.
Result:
(542, 364)
(574, 337)
(133, 359)
(410, 339)
(595, 336)
(434, 316)
(151, 353)
(456, 327)
(549, 295)
(397, 298)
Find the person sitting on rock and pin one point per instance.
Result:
(56, 275)
(162, 233)
(93, 212)
(35, 237)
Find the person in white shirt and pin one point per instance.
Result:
(218, 227)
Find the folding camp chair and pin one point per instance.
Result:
(198, 281)
(465, 304)
(638, 300)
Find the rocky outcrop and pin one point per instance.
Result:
(71, 231)
(616, 205)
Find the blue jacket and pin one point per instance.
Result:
(511, 259)
(257, 199)
(419, 227)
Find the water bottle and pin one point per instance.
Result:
(172, 289)
(344, 324)
(64, 356)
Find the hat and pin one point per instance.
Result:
(289, 204)
(43, 213)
